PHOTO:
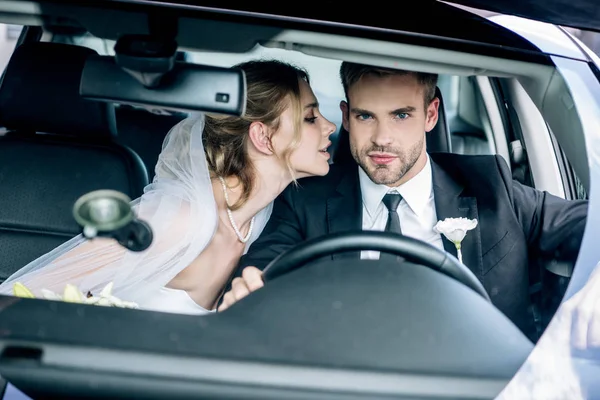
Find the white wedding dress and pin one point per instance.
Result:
(180, 207)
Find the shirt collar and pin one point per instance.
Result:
(416, 192)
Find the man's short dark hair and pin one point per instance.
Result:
(350, 73)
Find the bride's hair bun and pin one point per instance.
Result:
(270, 84)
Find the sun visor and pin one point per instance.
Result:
(187, 87)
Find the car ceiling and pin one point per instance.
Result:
(582, 14)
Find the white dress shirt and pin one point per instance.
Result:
(416, 210)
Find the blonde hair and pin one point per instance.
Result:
(271, 86)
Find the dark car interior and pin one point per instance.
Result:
(54, 151)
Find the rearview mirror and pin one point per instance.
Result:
(187, 87)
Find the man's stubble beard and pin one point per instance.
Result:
(378, 174)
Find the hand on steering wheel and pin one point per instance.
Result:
(241, 287)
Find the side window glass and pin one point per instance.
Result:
(574, 189)
(468, 120)
(9, 34)
(103, 47)
(580, 191)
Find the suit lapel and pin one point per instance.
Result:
(450, 203)
(344, 209)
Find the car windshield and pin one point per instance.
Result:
(380, 205)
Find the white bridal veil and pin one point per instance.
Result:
(179, 206)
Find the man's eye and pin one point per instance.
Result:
(363, 117)
(402, 115)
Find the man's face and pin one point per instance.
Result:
(387, 120)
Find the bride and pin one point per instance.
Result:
(216, 179)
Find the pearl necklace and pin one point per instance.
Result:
(230, 215)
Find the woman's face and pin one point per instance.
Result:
(310, 156)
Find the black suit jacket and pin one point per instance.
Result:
(515, 221)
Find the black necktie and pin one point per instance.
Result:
(391, 201)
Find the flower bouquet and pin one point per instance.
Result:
(72, 294)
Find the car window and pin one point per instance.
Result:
(9, 34)
(581, 193)
(470, 117)
(102, 46)
(467, 116)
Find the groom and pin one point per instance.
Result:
(387, 115)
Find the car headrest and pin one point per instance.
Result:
(40, 93)
(437, 140)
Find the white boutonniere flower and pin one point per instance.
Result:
(455, 230)
(72, 294)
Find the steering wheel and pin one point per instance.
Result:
(411, 249)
